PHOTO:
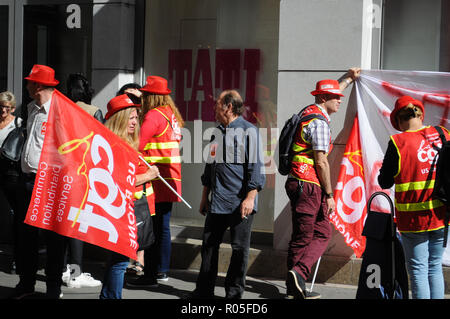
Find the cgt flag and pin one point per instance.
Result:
(350, 194)
(85, 181)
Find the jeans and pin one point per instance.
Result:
(423, 252)
(240, 234)
(157, 257)
(114, 276)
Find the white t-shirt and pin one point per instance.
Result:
(36, 126)
(8, 128)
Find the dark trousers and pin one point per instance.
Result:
(240, 233)
(74, 254)
(311, 228)
(157, 256)
(27, 247)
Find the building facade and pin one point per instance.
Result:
(272, 51)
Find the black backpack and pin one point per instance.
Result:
(441, 188)
(286, 139)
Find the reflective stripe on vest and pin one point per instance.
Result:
(417, 210)
(160, 146)
(303, 159)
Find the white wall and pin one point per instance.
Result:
(318, 40)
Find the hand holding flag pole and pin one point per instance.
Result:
(167, 184)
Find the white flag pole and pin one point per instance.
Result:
(167, 184)
(315, 273)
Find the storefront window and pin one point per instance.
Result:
(4, 21)
(204, 47)
(58, 36)
(416, 35)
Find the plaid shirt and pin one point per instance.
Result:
(318, 133)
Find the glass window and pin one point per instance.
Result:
(204, 47)
(416, 35)
(58, 36)
(4, 22)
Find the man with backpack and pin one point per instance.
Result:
(308, 185)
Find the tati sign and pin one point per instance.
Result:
(85, 182)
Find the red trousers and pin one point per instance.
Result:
(311, 229)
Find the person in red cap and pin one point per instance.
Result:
(408, 163)
(160, 144)
(123, 120)
(40, 86)
(308, 185)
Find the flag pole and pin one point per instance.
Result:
(167, 184)
(315, 273)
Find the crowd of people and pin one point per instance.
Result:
(148, 120)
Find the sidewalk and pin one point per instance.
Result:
(180, 283)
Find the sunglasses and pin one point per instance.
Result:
(8, 108)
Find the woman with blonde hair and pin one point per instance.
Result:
(122, 119)
(9, 170)
(160, 143)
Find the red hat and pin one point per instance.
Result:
(400, 104)
(119, 103)
(42, 74)
(327, 87)
(156, 85)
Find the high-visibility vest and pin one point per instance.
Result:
(149, 192)
(163, 150)
(416, 210)
(303, 160)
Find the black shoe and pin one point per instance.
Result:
(312, 295)
(162, 276)
(142, 281)
(295, 285)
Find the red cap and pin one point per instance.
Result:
(156, 85)
(42, 74)
(118, 103)
(402, 102)
(327, 87)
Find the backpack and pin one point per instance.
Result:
(286, 139)
(441, 188)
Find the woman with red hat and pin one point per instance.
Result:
(159, 142)
(408, 163)
(122, 119)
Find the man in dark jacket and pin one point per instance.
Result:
(232, 178)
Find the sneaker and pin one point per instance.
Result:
(162, 276)
(66, 275)
(295, 285)
(312, 295)
(142, 281)
(83, 281)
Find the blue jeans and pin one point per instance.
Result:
(113, 280)
(157, 257)
(423, 252)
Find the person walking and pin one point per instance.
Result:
(231, 181)
(308, 185)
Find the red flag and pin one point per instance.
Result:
(85, 181)
(350, 194)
